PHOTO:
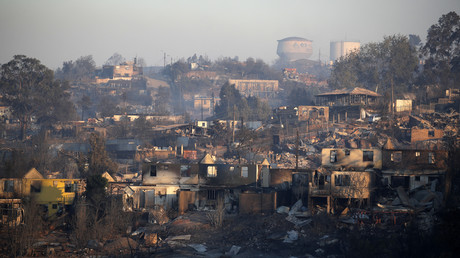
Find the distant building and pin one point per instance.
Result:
(342, 48)
(205, 104)
(348, 103)
(256, 88)
(312, 113)
(346, 97)
(125, 71)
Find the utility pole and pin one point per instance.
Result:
(392, 100)
(164, 60)
(297, 152)
(233, 133)
(212, 104)
(201, 108)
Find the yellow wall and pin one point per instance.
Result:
(359, 185)
(51, 191)
(354, 158)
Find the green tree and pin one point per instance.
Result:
(83, 69)
(229, 96)
(30, 89)
(141, 126)
(233, 105)
(300, 96)
(378, 66)
(162, 99)
(442, 52)
(414, 40)
(98, 160)
(95, 188)
(84, 103)
(174, 71)
(107, 107)
(259, 110)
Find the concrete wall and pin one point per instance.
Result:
(313, 113)
(414, 160)
(146, 197)
(351, 184)
(167, 174)
(280, 176)
(351, 158)
(230, 175)
(425, 134)
(258, 88)
(403, 105)
(252, 203)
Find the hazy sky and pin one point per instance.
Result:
(57, 31)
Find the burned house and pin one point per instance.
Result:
(348, 103)
(313, 114)
(316, 117)
(219, 182)
(413, 168)
(201, 185)
(122, 150)
(344, 174)
(161, 183)
(420, 134)
(53, 195)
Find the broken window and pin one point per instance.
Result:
(35, 186)
(153, 170)
(211, 194)
(8, 186)
(431, 133)
(396, 156)
(417, 178)
(185, 171)
(431, 158)
(321, 111)
(212, 171)
(68, 187)
(347, 152)
(368, 156)
(244, 171)
(432, 178)
(333, 156)
(342, 180)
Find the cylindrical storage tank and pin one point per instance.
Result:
(294, 48)
(343, 48)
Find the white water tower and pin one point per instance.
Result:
(343, 48)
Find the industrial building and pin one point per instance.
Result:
(342, 48)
